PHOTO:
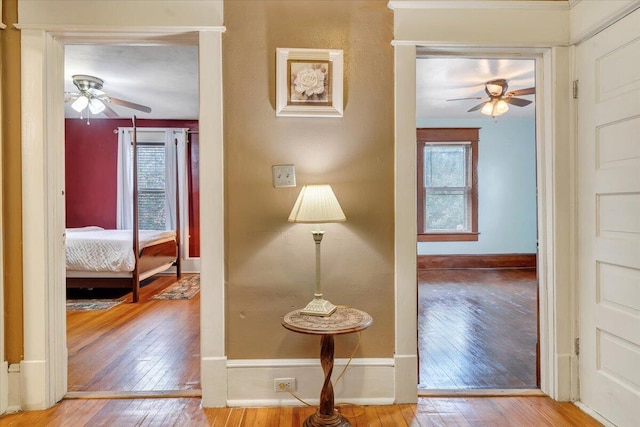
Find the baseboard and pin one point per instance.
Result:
(427, 262)
(187, 265)
(13, 380)
(366, 381)
(586, 409)
(489, 392)
(4, 386)
(213, 380)
(406, 378)
(32, 389)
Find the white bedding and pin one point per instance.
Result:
(96, 249)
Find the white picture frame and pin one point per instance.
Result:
(309, 82)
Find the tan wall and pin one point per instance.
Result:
(12, 183)
(270, 262)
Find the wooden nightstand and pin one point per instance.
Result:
(345, 320)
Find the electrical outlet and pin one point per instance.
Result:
(283, 176)
(284, 384)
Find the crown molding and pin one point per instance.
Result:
(476, 4)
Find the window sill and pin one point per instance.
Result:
(449, 237)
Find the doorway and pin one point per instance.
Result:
(116, 345)
(44, 368)
(477, 287)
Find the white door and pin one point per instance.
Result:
(608, 154)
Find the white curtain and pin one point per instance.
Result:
(125, 180)
(124, 207)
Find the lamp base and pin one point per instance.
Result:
(319, 307)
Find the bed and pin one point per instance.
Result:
(102, 258)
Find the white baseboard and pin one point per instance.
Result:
(594, 414)
(213, 379)
(366, 381)
(188, 265)
(191, 265)
(4, 386)
(13, 383)
(563, 374)
(406, 378)
(32, 390)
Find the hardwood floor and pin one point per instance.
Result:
(477, 329)
(485, 412)
(149, 345)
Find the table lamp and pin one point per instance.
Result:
(317, 204)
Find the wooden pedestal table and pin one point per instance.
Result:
(344, 320)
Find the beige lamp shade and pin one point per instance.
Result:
(317, 204)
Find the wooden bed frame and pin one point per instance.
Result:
(150, 260)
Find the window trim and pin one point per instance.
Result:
(448, 136)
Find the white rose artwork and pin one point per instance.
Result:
(309, 82)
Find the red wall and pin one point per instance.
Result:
(91, 156)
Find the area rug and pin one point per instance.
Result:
(184, 288)
(91, 304)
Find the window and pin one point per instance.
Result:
(151, 186)
(447, 184)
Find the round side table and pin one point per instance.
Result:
(344, 320)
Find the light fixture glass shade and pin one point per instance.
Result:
(80, 103)
(487, 108)
(495, 108)
(317, 204)
(500, 108)
(96, 106)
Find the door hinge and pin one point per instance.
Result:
(575, 89)
(577, 346)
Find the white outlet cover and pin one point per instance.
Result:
(283, 176)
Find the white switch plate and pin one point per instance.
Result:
(283, 176)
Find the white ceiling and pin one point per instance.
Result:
(165, 78)
(442, 78)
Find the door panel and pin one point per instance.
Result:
(609, 221)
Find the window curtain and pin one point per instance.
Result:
(124, 207)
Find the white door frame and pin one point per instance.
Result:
(43, 373)
(555, 213)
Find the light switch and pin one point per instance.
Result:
(283, 176)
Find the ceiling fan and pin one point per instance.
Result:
(499, 99)
(92, 96)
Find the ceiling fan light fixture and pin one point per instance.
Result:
(487, 108)
(501, 107)
(96, 106)
(495, 107)
(80, 103)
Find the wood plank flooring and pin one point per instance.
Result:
(428, 412)
(150, 345)
(477, 329)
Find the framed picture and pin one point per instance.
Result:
(309, 82)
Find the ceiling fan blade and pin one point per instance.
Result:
(462, 99)
(128, 104)
(108, 111)
(519, 102)
(477, 107)
(520, 92)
